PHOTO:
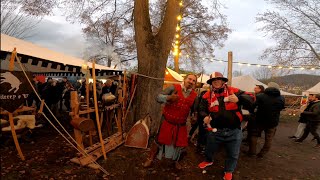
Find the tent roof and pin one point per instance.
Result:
(27, 50)
(247, 83)
(203, 78)
(315, 89)
(176, 76)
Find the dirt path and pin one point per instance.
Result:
(48, 158)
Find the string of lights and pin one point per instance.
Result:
(300, 67)
(177, 52)
(176, 47)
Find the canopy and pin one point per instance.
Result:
(38, 59)
(314, 90)
(247, 83)
(172, 76)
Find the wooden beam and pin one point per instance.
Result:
(96, 109)
(230, 61)
(14, 135)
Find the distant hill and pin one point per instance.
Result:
(294, 83)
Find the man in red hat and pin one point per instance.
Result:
(172, 137)
(220, 107)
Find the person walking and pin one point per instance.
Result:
(312, 116)
(268, 106)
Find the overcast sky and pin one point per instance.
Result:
(245, 41)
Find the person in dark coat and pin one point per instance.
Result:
(267, 114)
(82, 88)
(61, 90)
(32, 96)
(109, 87)
(302, 120)
(251, 127)
(201, 140)
(312, 117)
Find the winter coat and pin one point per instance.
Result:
(313, 114)
(269, 104)
(226, 118)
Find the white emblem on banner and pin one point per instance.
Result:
(12, 80)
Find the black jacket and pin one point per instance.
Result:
(225, 118)
(302, 118)
(269, 104)
(313, 113)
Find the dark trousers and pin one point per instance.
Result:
(231, 139)
(269, 134)
(311, 128)
(201, 134)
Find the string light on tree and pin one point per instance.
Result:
(176, 51)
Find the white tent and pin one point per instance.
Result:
(175, 75)
(247, 83)
(42, 60)
(315, 89)
(203, 78)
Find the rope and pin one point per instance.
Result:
(82, 151)
(150, 77)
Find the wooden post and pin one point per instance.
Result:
(14, 135)
(87, 92)
(13, 131)
(74, 103)
(230, 60)
(96, 109)
(41, 106)
(13, 56)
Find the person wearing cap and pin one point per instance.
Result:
(172, 137)
(268, 106)
(220, 107)
(312, 116)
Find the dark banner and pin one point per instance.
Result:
(14, 89)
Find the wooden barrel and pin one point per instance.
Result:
(83, 124)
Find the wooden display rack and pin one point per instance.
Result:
(95, 151)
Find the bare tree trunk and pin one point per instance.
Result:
(152, 51)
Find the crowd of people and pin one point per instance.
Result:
(56, 93)
(217, 112)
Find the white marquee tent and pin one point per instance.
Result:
(38, 59)
(314, 90)
(247, 83)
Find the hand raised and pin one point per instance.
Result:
(233, 98)
(207, 120)
(173, 97)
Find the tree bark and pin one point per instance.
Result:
(152, 52)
